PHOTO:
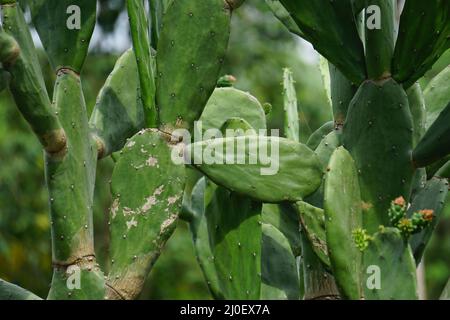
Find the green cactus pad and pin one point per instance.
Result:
(389, 254)
(284, 217)
(70, 180)
(191, 50)
(147, 189)
(27, 83)
(200, 198)
(437, 95)
(342, 92)
(291, 119)
(139, 33)
(380, 41)
(9, 291)
(324, 67)
(423, 37)
(283, 15)
(299, 172)
(324, 152)
(118, 113)
(70, 175)
(65, 29)
(435, 144)
(235, 233)
(444, 171)
(330, 27)
(226, 103)
(343, 215)
(316, 138)
(418, 111)
(91, 284)
(278, 266)
(432, 197)
(379, 128)
(313, 224)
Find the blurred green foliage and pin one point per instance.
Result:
(259, 48)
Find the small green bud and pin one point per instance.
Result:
(361, 238)
(226, 81)
(267, 108)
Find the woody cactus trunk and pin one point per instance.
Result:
(346, 215)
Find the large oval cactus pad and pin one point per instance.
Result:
(293, 174)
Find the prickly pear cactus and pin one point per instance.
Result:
(347, 215)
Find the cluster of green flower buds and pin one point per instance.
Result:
(408, 226)
(361, 238)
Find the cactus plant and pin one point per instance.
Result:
(346, 215)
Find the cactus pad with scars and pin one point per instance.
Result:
(299, 172)
(71, 24)
(191, 50)
(379, 127)
(147, 189)
(278, 266)
(313, 224)
(235, 232)
(118, 112)
(435, 144)
(423, 37)
(389, 252)
(343, 215)
(330, 27)
(432, 197)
